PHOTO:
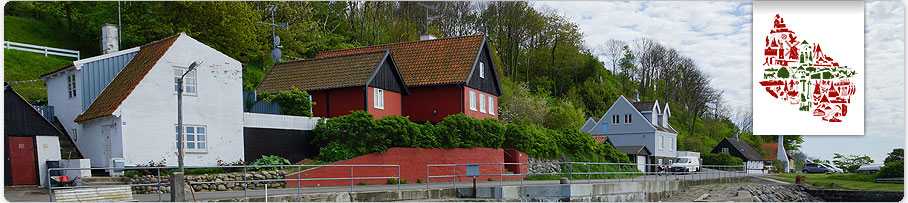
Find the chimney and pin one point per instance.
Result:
(636, 96)
(427, 37)
(109, 39)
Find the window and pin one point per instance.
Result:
(724, 149)
(189, 82)
(491, 106)
(604, 128)
(671, 144)
(71, 83)
(661, 142)
(194, 137)
(482, 70)
(472, 100)
(630, 118)
(75, 135)
(482, 103)
(616, 119)
(379, 98)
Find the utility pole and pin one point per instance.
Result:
(427, 14)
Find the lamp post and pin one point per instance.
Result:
(180, 113)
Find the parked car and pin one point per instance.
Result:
(837, 169)
(817, 168)
(686, 164)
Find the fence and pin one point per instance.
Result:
(42, 49)
(628, 170)
(299, 168)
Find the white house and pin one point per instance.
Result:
(123, 105)
(637, 123)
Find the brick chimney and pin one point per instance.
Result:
(110, 41)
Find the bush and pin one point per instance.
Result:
(270, 160)
(893, 169)
(293, 102)
(724, 159)
(357, 134)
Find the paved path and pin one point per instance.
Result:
(706, 174)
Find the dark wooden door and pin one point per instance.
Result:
(22, 160)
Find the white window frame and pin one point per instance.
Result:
(482, 70)
(378, 98)
(661, 142)
(195, 134)
(671, 146)
(724, 149)
(472, 100)
(71, 85)
(75, 135)
(482, 103)
(491, 106)
(191, 80)
(616, 119)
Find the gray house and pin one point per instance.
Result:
(638, 123)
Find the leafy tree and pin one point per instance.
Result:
(895, 155)
(892, 169)
(293, 102)
(564, 116)
(519, 106)
(850, 162)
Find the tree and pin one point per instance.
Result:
(895, 155)
(563, 115)
(850, 162)
(614, 51)
(520, 106)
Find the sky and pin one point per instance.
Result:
(717, 35)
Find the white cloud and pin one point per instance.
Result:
(717, 35)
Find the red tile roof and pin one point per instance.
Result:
(122, 85)
(58, 69)
(772, 151)
(429, 62)
(323, 73)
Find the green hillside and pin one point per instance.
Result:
(22, 65)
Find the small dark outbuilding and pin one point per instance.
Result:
(30, 141)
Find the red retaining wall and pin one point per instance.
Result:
(413, 163)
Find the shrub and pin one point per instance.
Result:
(893, 169)
(393, 181)
(348, 136)
(419, 180)
(293, 102)
(270, 160)
(724, 159)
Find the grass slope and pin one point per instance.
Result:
(843, 181)
(22, 65)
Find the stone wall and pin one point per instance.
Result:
(538, 165)
(206, 187)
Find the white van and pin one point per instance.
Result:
(686, 164)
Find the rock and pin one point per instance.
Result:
(222, 187)
(231, 185)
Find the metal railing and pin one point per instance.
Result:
(42, 49)
(245, 182)
(616, 171)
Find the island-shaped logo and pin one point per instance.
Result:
(797, 71)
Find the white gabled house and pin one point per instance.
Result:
(123, 105)
(633, 123)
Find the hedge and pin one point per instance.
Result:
(724, 159)
(357, 134)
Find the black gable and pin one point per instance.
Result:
(738, 148)
(489, 81)
(387, 77)
(21, 119)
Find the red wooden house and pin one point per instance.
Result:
(340, 84)
(444, 76)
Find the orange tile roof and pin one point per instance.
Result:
(323, 73)
(122, 85)
(428, 62)
(772, 150)
(58, 69)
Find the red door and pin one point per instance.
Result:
(22, 160)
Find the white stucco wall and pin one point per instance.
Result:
(48, 148)
(65, 108)
(149, 114)
(92, 140)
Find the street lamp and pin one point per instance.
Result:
(180, 113)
